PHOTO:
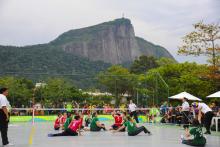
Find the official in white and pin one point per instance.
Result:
(4, 116)
(208, 115)
(133, 113)
(185, 113)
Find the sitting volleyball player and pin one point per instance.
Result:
(68, 121)
(63, 120)
(81, 122)
(196, 131)
(132, 127)
(96, 124)
(88, 120)
(118, 121)
(57, 122)
(72, 130)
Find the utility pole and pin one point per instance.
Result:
(116, 93)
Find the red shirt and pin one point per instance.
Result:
(118, 120)
(62, 120)
(57, 123)
(74, 125)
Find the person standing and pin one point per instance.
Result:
(208, 115)
(133, 113)
(185, 113)
(4, 116)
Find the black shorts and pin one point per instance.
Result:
(96, 129)
(56, 128)
(115, 127)
(191, 143)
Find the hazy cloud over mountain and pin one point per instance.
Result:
(163, 22)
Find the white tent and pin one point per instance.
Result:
(181, 95)
(217, 94)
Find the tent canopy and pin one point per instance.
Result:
(181, 95)
(217, 94)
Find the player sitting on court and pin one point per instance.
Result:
(81, 119)
(132, 127)
(88, 120)
(118, 120)
(73, 129)
(96, 124)
(68, 121)
(196, 131)
(63, 120)
(57, 121)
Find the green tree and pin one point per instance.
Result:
(179, 77)
(165, 61)
(117, 80)
(203, 41)
(143, 64)
(20, 90)
(58, 90)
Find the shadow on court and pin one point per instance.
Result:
(26, 135)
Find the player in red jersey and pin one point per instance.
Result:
(63, 120)
(73, 129)
(57, 122)
(118, 120)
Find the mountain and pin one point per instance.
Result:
(79, 54)
(112, 42)
(39, 62)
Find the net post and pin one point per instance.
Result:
(33, 116)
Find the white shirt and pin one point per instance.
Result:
(4, 101)
(204, 108)
(185, 106)
(132, 107)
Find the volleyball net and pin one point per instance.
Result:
(34, 115)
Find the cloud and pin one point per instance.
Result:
(162, 22)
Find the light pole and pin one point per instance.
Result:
(138, 85)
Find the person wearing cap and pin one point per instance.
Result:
(208, 115)
(185, 113)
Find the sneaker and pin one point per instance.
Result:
(149, 133)
(9, 144)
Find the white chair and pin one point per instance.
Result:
(215, 121)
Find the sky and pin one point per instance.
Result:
(162, 22)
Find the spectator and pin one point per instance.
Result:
(154, 112)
